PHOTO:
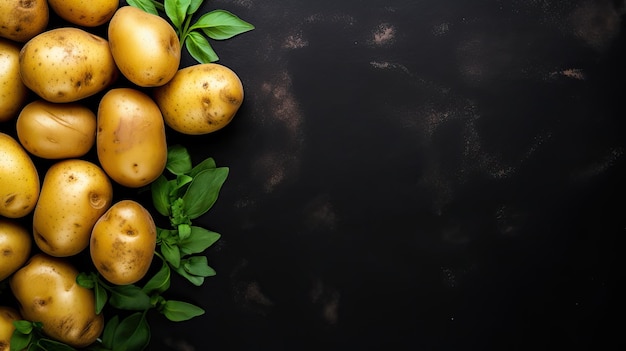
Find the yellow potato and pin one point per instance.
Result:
(67, 64)
(145, 46)
(7, 316)
(74, 194)
(200, 99)
(21, 20)
(88, 13)
(19, 178)
(123, 242)
(15, 245)
(56, 130)
(130, 138)
(13, 93)
(47, 292)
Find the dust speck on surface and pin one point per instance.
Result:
(295, 41)
(327, 298)
(384, 34)
(441, 29)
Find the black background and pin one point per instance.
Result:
(423, 175)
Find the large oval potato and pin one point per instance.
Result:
(200, 99)
(56, 130)
(13, 92)
(90, 13)
(22, 20)
(130, 139)
(67, 64)
(145, 46)
(19, 178)
(123, 242)
(8, 315)
(15, 245)
(74, 194)
(46, 291)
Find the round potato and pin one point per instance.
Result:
(22, 20)
(47, 292)
(130, 138)
(74, 194)
(145, 46)
(19, 178)
(87, 13)
(123, 242)
(67, 64)
(15, 245)
(13, 93)
(200, 99)
(7, 316)
(56, 130)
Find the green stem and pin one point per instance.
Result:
(184, 32)
(158, 5)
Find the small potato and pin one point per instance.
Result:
(200, 99)
(13, 93)
(145, 46)
(87, 13)
(123, 242)
(21, 20)
(74, 194)
(46, 291)
(67, 64)
(7, 316)
(19, 179)
(56, 130)
(130, 138)
(15, 245)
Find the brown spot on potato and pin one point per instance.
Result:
(96, 200)
(41, 303)
(27, 3)
(8, 200)
(4, 346)
(7, 252)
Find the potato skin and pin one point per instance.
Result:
(67, 64)
(56, 130)
(19, 178)
(145, 46)
(47, 292)
(74, 194)
(130, 138)
(22, 20)
(200, 99)
(123, 242)
(13, 92)
(87, 13)
(15, 246)
(7, 316)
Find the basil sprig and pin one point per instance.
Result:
(216, 25)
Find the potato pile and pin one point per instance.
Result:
(81, 114)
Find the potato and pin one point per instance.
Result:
(88, 13)
(123, 242)
(145, 46)
(130, 138)
(7, 316)
(21, 20)
(15, 245)
(19, 178)
(67, 64)
(56, 130)
(74, 194)
(200, 99)
(46, 291)
(13, 93)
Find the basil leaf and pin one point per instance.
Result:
(184, 231)
(129, 297)
(101, 297)
(19, 340)
(199, 48)
(203, 191)
(193, 279)
(178, 160)
(53, 345)
(198, 265)
(176, 10)
(85, 280)
(180, 182)
(178, 311)
(194, 6)
(171, 253)
(23, 327)
(205, 164)
(109, 332)
(146, 5)
(133, 333)
(160, 195)
(199, 240)
(160, 282)
(221, 25)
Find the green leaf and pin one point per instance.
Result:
(178, 160)
(178, 311)
(176, 10)
(132, 334)
(207, 163)
(199, 48)
(146, 5)
(20, 341)
(160, 189)
(108, 334)
(160, 282)
(180, 182)
(23, 326)
(171, 253)
(198, 266)
(221, 25)
(203, 191)
(129, 297)
(193, 279)
(52, 345)
(194, 6)
(101, 297)
(199, 240)
(86, 280)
